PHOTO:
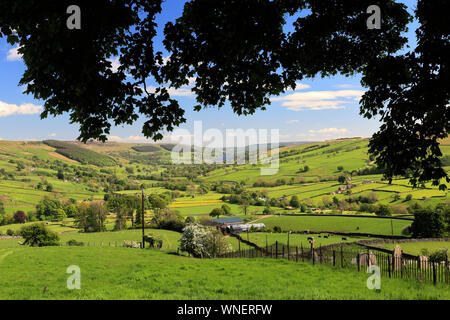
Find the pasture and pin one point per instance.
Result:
(415, 248)
(337, 223)
(125, 273)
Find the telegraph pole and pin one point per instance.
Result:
(142, 221)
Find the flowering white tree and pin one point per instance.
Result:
(193, 240)
(203, 243)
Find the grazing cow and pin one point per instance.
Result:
(326, 236)
(343, 238)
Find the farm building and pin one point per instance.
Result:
(223, 222)
(244, 227)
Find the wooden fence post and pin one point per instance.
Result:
(389, 265)
(434, 273)
(296, 253)
(334, 258)
(447, 272)
(239, 247)
(320, 254)
(283, 253)
(342, 258)
(313, 256)
(301, 251)
(276, 249)
(358, 262)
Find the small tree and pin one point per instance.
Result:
(342, 179)
(226, 210)
(216, 212)
(193, 240)
(37, 235)
(428, 223)
(383, 211)
(216, 244)
(91, 216)
(2, 207)
(294, 202)
(340, 168)
(20, 217)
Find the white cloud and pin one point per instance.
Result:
(333, 130)
(301, 86)
(345, 86)
(136, 138)
(13, 109)
(13, 54)
(114, 138)
(292, 121)
(52, 135)
(319, 100)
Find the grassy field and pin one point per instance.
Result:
(337, 223)
(415, 248)
(296, 239)
(123, 273)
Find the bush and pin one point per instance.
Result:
(428, 223)
(75, 243)
(408, 197)
(37, 235)
(383, 211)
(20, 217)
(153, 241)
(131, 244)
(168, 220)
(276, 229)
(216, 244)
(439, 255)
(10, 232)
(193, 240)
(189, 220)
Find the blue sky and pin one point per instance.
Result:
(319, 109)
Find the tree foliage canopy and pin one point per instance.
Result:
(239, 51)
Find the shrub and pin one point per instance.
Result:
(277, 229)
(216, 244)
(193, 240)
(37, 235)
(131, 244)
(383, 211)
(10, 232)
(408, 197)
(153, 241)
(75, 243)
(91, 216)
(439, 255)
(189, 220)
(168, 220)
(428, 223)
(20, 217)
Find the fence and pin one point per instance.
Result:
(412, 268)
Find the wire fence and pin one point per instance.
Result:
(403, 267)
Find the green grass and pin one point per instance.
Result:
(123, 273)
(416, 247)
(337, 223)
(296, 239)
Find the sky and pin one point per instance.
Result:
(317, 110)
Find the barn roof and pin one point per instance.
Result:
(227, 220)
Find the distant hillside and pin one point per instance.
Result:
(145, 148)
(82, 155)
